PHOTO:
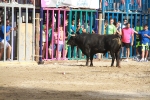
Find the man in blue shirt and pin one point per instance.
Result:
(145, 36)
(73, 27)
(8, 47)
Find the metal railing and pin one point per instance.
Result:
(126, 5)
(13, 20)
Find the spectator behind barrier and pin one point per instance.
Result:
(134, 3)
(127, 32)
(58, 37)
(73, 30)
(9, 29)
(72, 27)
(105, 26)
(111, 29)
(3, 1)
(116, 5)
(145, 36)
(66, 37)
(50, 39)
(87, 28)
(138, 41)
(123, 25)
(43, 41)
(118, 28)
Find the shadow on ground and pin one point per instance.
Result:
(14, 93)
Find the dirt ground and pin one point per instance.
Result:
(70, 80)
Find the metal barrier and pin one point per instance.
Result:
(60, 15)
(37, 3)
(84, 19)
(24, 38)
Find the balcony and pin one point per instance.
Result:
(126, 5)
(37, 2)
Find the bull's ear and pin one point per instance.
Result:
(68, 33)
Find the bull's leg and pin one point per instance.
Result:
(87, 60)
(87, 53)
(117, 54)
(113, 58)
(91, 59)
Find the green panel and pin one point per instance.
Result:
(72, 13)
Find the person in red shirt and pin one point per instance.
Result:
(127, 33)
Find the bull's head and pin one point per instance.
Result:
(72, 34)
(72, 40)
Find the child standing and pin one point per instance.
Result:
(58, 36)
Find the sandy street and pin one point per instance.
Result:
(69, 80)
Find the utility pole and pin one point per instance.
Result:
(100, 22)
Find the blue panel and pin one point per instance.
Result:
(135, 6)
(133, 17)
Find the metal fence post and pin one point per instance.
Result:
(57, 57)
(91, 22)
(26, 32)
(52, 35)
(41, 24)
(75, 48)
(19, 31)
(47, 32)
(5, 33)
(133, 34)
(80, 52)
(12, 35)
(33, 31)
(64, 35)
(69, 49)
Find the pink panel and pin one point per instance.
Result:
(52, 41)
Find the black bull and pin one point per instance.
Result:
(90, 44)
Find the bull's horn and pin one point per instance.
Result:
(72, 34)
(68, 32)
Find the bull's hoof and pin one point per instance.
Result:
(118, 66)
(91, 65)
(111, 66)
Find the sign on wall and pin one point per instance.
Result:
(94, 4)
